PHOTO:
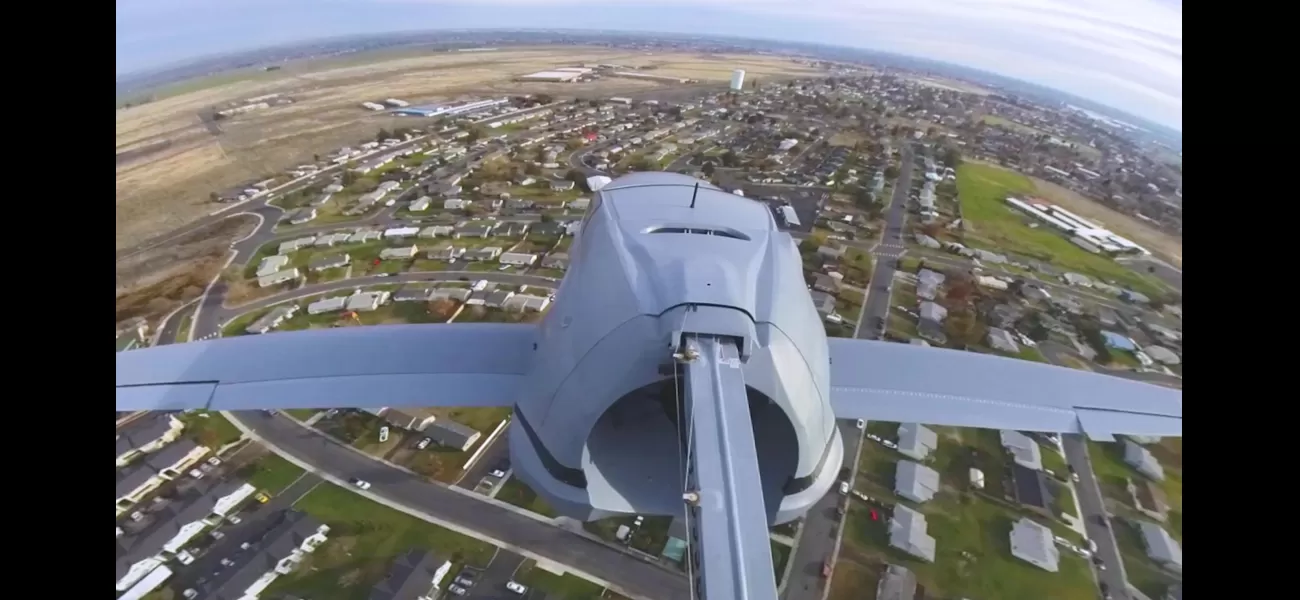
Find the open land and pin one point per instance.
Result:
(159, 191)
(991, 223)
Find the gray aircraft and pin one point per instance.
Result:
(683, 370)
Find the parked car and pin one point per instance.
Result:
(360, 484)
(517, 588)
(424, 443)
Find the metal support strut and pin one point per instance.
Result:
(727, 517)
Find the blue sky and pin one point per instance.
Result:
(1124, 53)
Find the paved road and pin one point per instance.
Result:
(1094, 508)
(171, 331)
(816, 541)
(214, 314)
(876, 304)
(495, 454)
(329, 456)
(490, 583)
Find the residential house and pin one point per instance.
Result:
(525, 302)
(556, 260)
(272, 319)
(420, 204)
(927, 283)
(1143, 461)
(401, 419)
(825, 283)
(486, 253)
(1031, 489)
(916, 441)
(1034, 543)
(295, 245)
(1162, 354)
(517, 259)
(930, 311)
(1023, 449)
(451, 434)
(931, 330)
(896, 583)
(824, 302)
(474, 229)
(447, 252)
(331, 261)
(830, 253)
(146, 434)
(329, 240)
(579, 204)
(137, 480)
(1161, 547)
(414, 575)
(364, 237)
(141, 542)
(277, 553)
(547, 229)
(1002, 340)
(450, 293)
(455, 204)
(327, 305)
(915, 481)
(413, 292)
(272, 264)
(400, 232)
(510, 229)
(434, 231)
(367, 301)
(303, 215)
(928, 242)
(1077, 280)
(907, 532)
(498, 298)
(278, 277)
(402, 253)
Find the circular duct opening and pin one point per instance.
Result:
(637, 453)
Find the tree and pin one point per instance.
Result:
(708, 169)
(952, 156)
(442, 309)
(729, 159)
(349, 177)
(382, 135)
(475, 132)
(576, 176)
(533, 168)
(963, 327)
(544, 98)
(891, 172)
(545, 218)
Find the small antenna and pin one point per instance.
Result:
(694, 193)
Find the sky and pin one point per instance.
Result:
(1127, 54)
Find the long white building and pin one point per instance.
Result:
(737, 80)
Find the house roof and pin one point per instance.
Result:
(916, 481)
(1033, 543)
(185, 507)
(450, 433)
(409, 577)
(897, 583)
(1160, 545)
(1030, 486)
(916, 440)
(143, 431)
(286, 533)
(1024, 451)
(1141, 459)
(907, 532)
(933, 312)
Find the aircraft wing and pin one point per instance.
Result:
(885, 381)
(468, 364)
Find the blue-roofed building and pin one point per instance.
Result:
(1119, 341)
(419, 111)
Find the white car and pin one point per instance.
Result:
(517, 588)
(844, 488)
(383, 434)
(862, 424)
(361, 484)
(424, 443)
(455, 589)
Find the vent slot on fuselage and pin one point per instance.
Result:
(727, 233)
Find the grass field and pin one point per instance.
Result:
(993, 224)
(567, 587)
(271, 473)
(973, 557)
(365, 536)
(516, 493)
(212, 429)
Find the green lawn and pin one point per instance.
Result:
(211, 429)
(780, 554)
(992, 223)
(1053, 462)
(516, 493)
(1142, 572)
(271, 473)
(973, 556)
(365, 536)
(568, 586)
